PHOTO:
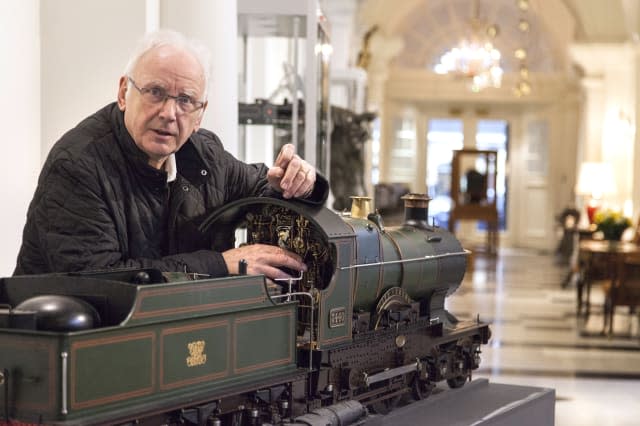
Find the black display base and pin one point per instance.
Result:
(478, 403)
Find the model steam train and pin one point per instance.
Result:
(363, 327)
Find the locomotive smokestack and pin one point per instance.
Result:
(416, 210)
(360, 207)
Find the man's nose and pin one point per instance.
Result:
(169, 108)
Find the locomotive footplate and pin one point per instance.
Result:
(414, 340)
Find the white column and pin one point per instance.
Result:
(385, 48)
(216, 24)
(420, 179)
(617, 137)
(609, 113)
(340, 14)
(20, 112)
(635, 191)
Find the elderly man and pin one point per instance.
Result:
(128, 186)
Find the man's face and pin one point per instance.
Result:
(160, 129)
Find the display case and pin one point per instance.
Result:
(284, 82)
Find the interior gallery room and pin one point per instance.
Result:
(475, 258)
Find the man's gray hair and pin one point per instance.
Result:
(172, 38)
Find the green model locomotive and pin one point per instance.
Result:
(364, 326)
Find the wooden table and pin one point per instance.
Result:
(599, 259)
(487, 213)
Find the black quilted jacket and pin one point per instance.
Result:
(99, 205)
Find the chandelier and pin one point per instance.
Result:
(474, 58)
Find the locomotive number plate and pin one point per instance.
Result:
(337, 317)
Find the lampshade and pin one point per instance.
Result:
(596, 180)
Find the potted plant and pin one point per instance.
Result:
(611, 223)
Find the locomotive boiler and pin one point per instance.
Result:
(362, 329)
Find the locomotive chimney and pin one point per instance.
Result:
(360, 207)
(416, 209)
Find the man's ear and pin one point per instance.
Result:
(122, 91)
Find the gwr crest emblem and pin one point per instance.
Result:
(196, 353)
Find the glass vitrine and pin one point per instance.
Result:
(284, 84)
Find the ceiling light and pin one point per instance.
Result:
(520, 53)
(474, 58)
(523, 25)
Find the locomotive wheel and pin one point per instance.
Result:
(457, 382)
(421, 389)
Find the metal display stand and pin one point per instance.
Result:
(305, 81)
(478, 403)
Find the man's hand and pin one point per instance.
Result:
(263, 259)
(291, 175)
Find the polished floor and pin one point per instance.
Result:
(537, 340)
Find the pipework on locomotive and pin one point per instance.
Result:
(363, 329)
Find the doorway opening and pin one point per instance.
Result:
(444, 135)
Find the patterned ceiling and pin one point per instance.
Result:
(428, 28)
(441, 26)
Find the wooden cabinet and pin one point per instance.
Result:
(473, 191)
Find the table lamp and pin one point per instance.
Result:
(594, 181)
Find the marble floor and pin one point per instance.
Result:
(537, 340)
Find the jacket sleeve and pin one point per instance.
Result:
(73, 227)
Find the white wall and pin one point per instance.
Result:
(20, 118)
(85, 47)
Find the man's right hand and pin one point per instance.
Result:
(263, 259)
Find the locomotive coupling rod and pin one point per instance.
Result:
(464, 252)
(388, 374)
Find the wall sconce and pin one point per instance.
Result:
(594, 181)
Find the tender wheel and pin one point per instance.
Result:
(385, 406)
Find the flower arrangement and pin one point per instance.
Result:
(611, 223)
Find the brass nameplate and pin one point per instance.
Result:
(337, 317)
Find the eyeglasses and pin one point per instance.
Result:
(158, 95)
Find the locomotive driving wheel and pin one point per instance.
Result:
(460, 364)
(421, 388)
(457, 382)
